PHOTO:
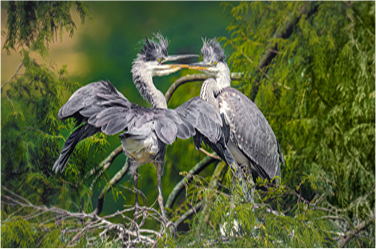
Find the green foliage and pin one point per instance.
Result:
(32, 135)
(234, 223)
(319, 93)
(35, 24)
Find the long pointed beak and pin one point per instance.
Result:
(200, 66)
(180, 57)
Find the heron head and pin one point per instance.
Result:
(155, 56)
(213, 59)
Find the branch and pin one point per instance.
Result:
(272, 51)
(192, 78)
(115, 180)
(357, 230)
(95, 223)
(186, 215)
(14, 75)
(180, 186)
(104, 165)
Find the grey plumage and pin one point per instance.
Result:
(99, 107)
(212, 51)
(102, 108)
(251, 139)
(251, 132)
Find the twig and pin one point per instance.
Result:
(187, 214)
(209, 154)
(180, 186)
(104, 165)
(115, 180)
(357, 229)
(14, 75)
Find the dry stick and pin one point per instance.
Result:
(115, 180)
(82, 215)
(180, 186)
(270, 54)
(193, 78)
(209, 154)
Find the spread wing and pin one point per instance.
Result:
(251, 132)
(100, 107)
(200, 116)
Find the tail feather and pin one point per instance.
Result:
(79, 134)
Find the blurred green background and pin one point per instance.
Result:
(104, 48)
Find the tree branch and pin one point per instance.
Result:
(357, 229)
(95, 223)
(193, 78)
(115, 180)
(194, 171)
(272, 51)
(104, 165)
(186, 215)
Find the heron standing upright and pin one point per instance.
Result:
(99, 107)
(252, 141)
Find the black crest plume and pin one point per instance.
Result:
(212, 51)
(152, 50)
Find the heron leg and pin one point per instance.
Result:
(136, 203)
(159, 167)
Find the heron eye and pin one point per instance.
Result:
(159, 60)
(215, 63)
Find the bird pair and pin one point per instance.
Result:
(223, 118)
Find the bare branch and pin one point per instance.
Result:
(209, 154)
(193, 78)
(115, 180)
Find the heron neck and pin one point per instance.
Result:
(209, 91)
(143, 79)
(223, 78)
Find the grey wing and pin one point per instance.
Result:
(198, 115)
(251, 132)
(102, 105)
(91, 99)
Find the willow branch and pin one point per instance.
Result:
(115, 180)
(180, 186)
(192, 78)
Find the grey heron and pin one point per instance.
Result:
(251, 141)
(100, 107)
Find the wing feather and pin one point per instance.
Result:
(251, 132)
(198, 115)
